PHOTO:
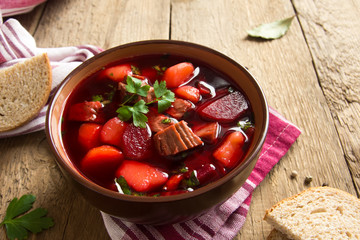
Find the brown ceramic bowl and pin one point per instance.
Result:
(165, 209)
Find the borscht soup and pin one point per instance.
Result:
(156, 125)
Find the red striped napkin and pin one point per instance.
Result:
(17, 44)
(15, 7)
(225, 221)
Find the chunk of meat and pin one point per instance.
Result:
(87, 112)
(207, 132)
(157, 121)
(225, 109)
(176, 138)
(179, 107)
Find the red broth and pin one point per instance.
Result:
(187, 149)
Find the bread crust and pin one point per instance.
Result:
(25, 88)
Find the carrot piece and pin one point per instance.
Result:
(178, 74)
(89, 135)
(188, 92)
(101, 162)
(112, 132)
(173, 182)
(116, 73)
(230, 151)
(140, 176)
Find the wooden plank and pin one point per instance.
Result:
(332, 33)
(284, 69)
(27, 165)
(102, 23)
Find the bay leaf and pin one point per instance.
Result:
(272, 30)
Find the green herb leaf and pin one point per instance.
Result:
(123, 185)
(272, 30)
(139, 110)
(166, 121)
(124, 113)
(135, 70)
(159, 88)
(163, 95)
(192, 181)
(34, 221)
(134, 86)
(97, 98)
(163, 105)
(244, 124)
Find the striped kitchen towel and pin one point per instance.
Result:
(15, 7)
(17, 44)
(224, 221)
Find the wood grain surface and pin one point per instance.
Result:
(311, 76)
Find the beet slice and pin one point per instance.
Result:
(225, 109)
(136, 142)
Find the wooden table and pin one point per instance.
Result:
(311, 76)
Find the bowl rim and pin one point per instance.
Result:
(81, 179)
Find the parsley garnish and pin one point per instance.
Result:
(106, 98)
(137, 112)
(164, 98)
(244, 124)
(34, 221)
(134, 86)
(192, 181)
(122, 185)
(97, 98)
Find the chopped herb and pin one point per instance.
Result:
(122, 185)
(108, 96)
(245, 124)
(192, 181)
(184, 169)
(98, 98)
(18, 227)
(160, 70)
(166, 120)
(135, 70)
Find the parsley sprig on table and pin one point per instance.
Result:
(164, 98)
(17, 227)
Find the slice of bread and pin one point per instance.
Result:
(317, 213)
(24, 90)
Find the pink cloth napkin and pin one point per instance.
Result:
(17, 44)
(225, 220)
(15, 7)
